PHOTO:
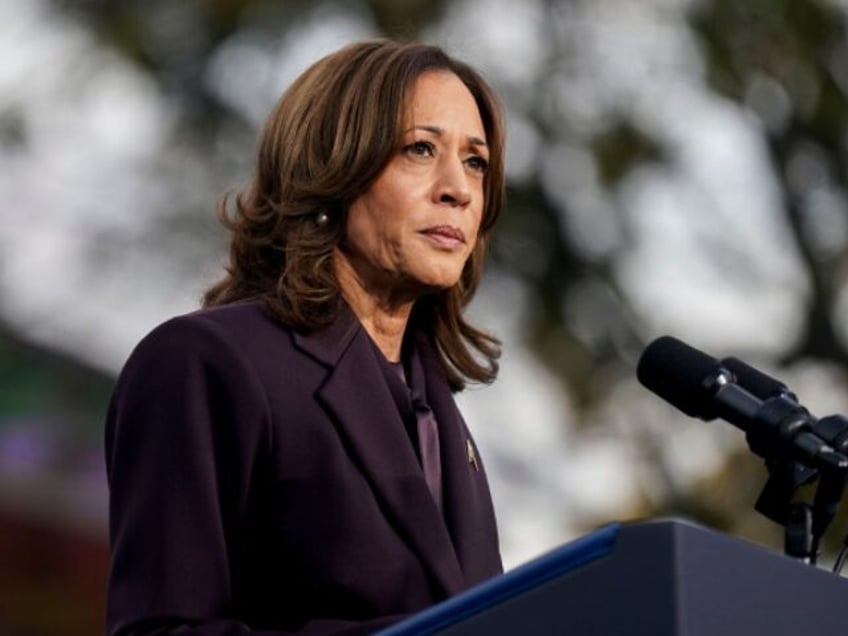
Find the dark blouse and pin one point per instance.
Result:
(409, 392)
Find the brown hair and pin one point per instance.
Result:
(326, 141)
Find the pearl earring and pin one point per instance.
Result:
(321, 219)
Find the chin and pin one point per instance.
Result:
(430, 286)
(443, 280)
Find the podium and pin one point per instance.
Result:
(659, 578)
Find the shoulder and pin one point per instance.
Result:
(226, 331)
(234, 322)
(229, 345)
(192, 361)
(239, 343)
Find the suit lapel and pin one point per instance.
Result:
(467, 501)
(360, 404)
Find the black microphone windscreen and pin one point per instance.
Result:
(755, 381)
(678, 374)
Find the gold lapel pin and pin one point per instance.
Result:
(472, 455)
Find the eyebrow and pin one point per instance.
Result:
(436, 130)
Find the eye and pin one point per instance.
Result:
(477, 164)
(419, 149)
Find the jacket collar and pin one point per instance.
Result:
(329, 344)
(468, 509)
(360, 405)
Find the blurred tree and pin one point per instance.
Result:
(35, 381)
(52, 564)
(783, 62)
(787, 63)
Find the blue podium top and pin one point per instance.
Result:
(544, 568)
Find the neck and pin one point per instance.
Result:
(386, 330)
(383, 313)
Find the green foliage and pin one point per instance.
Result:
(620, 149)
(36, 383)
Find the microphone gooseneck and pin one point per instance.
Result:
(703, 387)
(796, 446)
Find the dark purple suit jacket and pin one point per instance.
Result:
(262, 482)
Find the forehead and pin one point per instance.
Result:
(441, 98)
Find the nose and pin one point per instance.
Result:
(452, 188)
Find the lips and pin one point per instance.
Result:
(446, 233)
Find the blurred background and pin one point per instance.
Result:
(674, 166)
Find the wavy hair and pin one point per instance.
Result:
(326, 141)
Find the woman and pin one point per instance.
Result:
(290, 459)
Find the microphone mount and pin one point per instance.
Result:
(796, 446)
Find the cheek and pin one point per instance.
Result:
(360, 235)
(477, 243)
(478, 220)
(369, 230)
(353, 227)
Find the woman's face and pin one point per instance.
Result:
(413, 229)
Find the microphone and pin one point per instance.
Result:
(756, 382)
(796, 446)
(776, 428)
(833, 429)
